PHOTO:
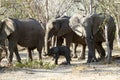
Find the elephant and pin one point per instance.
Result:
(97, 28)
(72, 37)
(58, 51)
(53, 28)
(79, 40)
(60, 28)
(24, 32)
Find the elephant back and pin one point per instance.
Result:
(64, 26)
(28, 24)
(60, 26)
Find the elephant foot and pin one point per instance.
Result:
(88, 61)
(65, 63)
(75, 56)
(101, 59)
(44, 54)
(19, 61)
(92, 60)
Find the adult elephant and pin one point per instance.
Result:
(60, 28)
(72, 37)
(56, 27)
(27, 33)
(95, 26)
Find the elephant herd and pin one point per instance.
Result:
(90, 30)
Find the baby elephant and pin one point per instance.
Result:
(55, 52)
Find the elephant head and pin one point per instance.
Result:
(75, 23)
(7, 27)
(56, 27)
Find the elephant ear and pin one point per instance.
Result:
(9, 26)
(63, 26)
(76, 25)
(97, 23)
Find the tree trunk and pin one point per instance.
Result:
(46, 42)
(91, 10)
(107, 44)
(117, 32)
(47, 13)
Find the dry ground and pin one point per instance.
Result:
(78, 70)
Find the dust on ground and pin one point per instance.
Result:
(78, 70)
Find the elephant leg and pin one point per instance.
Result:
(100, 50)
(56, 60)
(110, 48)
(30, 55)
(74, 50)
(59, 41)
(91, 51)
(68, 40)
(10, 56)
(13, 48)
(67, 57)
(39, 49)
(17, 54)
(82, 56)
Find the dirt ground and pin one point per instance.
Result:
(78, 70)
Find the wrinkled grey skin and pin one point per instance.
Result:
(75, 23)
(79, 40)
(58, 51)
(94, 32)
(27, 33)
(56, 27)
(72, 37)
(60, 28)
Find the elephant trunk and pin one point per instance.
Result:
(48, 38)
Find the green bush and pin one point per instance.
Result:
(35, 64)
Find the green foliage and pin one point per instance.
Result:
(35, 64)
(12, 8)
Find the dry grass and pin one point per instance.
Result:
(78, 70)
